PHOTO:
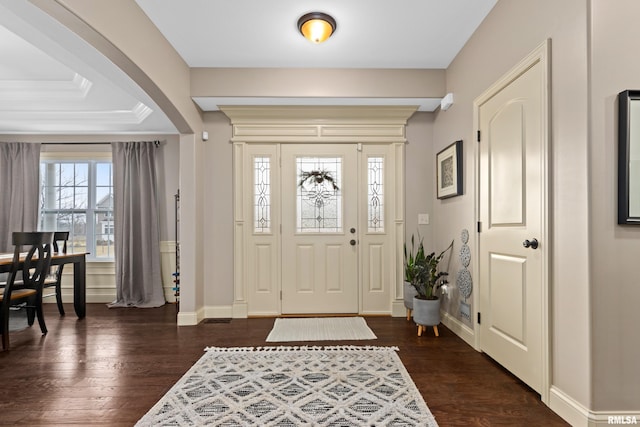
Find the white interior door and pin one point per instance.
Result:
(319, 228)
(511, 213)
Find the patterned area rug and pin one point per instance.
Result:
(320, 329)
(294, 386)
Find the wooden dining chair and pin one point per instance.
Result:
(54, 279)
(34, 266)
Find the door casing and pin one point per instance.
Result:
(541, 55)
(370, 127)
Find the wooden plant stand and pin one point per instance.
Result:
(422, 328)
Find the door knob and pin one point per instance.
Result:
(352, 242)
(533, 243)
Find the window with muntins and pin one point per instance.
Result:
(77, 196)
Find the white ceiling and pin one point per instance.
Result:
(369, 34)
(53, 82)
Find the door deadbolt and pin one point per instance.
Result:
(353, 230)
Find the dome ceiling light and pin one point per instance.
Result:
(316, 26)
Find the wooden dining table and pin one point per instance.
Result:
(79, 275)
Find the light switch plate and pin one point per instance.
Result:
(423, 219)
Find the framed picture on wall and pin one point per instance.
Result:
(629, 157)
(449, 171)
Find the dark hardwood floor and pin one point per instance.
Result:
(110, 368)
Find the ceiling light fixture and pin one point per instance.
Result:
(316, 26)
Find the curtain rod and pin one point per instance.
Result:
(156, 142)
(75, 143)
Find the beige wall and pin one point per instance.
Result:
(419, 177)
(615, 66)
(512, 30)
(218, 196)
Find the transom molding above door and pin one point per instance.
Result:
(322, 124)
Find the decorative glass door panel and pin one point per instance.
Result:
(375, 194)
(319, 199)
(261, 194)
(319, 228)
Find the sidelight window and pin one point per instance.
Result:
(375, 194)
(262, 194)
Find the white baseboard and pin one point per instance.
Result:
(398, 309)
(597, 419)
(218, 312)
(93, 295)
(187, 318)
(578, 415)
(209, 312)
(190, 318)
(94, 298)
(571, 411)
(240, 310)
(459, 328)
(103, 295)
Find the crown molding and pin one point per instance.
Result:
(334, 124)
(296, 114)
(60, 90)
(135, 115)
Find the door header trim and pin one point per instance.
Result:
(321, 124)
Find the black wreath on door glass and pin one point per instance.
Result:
(319, 187)
(317, 177)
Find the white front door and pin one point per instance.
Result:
(319, 228)
(512, 247)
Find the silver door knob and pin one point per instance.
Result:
(533, 243)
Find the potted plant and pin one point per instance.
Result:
(412, 258)
(427, 281)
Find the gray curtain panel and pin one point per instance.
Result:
(20, 186)
(137, 240)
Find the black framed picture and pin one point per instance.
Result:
(629, 157)
(449, 171)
